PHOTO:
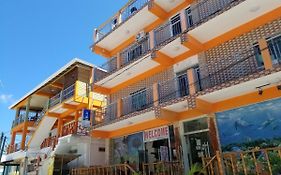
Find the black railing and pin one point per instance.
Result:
(135, 51)
(167, 31)
(132, 53)
(125, 13)
(63, 95)
(172, 89)
(138, 101)
(202, 10)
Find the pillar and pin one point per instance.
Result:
(183, 20)
(155, 94)
(265, 54)
(76, 118)
(118, 60)
(213, 132)
(24, 132)
(191, 81)
(59, 129)
(119, 107)
(151, 39)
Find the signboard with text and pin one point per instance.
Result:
(156, 134)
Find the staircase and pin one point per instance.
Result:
(42, 131)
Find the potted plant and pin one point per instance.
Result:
(196, 169)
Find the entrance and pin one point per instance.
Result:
(196, 135)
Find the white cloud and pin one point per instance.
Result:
(6, 98)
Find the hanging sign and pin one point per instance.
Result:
(84, 122)
(156, 134)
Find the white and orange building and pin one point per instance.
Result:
(185, 82)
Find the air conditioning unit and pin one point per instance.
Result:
(140, 36)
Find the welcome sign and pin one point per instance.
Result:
(156, 134)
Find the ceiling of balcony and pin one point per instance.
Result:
(128, 72)
(229, 20)
(128, 122)
(128, 29)
(174, 48)
(243, 88)
(168, 5)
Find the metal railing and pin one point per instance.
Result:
(13, 148)
(256, 161)
(202, 10)
(167, 168)
(168, 30)
(135, 51)
(137, 101)
(125, 13)
(243, 63)
(274, 45)
(132, 53)
(173, 89)
(119, 169)
(21, 118)
(61, 96)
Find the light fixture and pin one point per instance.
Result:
(279, 87)
(260, 91)
(254, 8)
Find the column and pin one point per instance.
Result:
(119, 107)
(191, 81)
(24, 132)
(183, 20)
(151, 39)
(265, 54)
(155, 94)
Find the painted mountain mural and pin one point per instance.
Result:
(245, 128)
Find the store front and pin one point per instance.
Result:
(150, 146)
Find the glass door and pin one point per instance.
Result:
(199, 146)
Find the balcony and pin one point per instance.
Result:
(122, 112)
(132, 61)
(235, 76)
(13, 148)
(207, 20)
(49, 142)
(21, 118)
(72, 95)
(122, 25)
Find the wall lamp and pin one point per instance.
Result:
(260, 90)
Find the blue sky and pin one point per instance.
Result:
(37, 37)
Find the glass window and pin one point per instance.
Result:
(274, 45)
(189, 17)
(258, 55)
(183, 85)
(139, 100)
(195, 125)
(176, 25)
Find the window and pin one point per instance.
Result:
(176, 25)
(183, 85)
(195, 125)
(134, 52)
(139, 100)
(198, 78)
(189, 17)
(274, 45)
(258, 56)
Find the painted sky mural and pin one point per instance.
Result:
(258, 125)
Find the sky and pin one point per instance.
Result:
(37, 37)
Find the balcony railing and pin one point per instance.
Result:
(49, 142)
(13, 148)
(137, 101)
(198, 13)
(125, 13)
(173, 89)
(63, 95)
(132, 53)
(203, 10)
(274, 45)
(70, 128)
(21, 118)
(168, 30)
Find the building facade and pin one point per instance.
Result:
(186, 82)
